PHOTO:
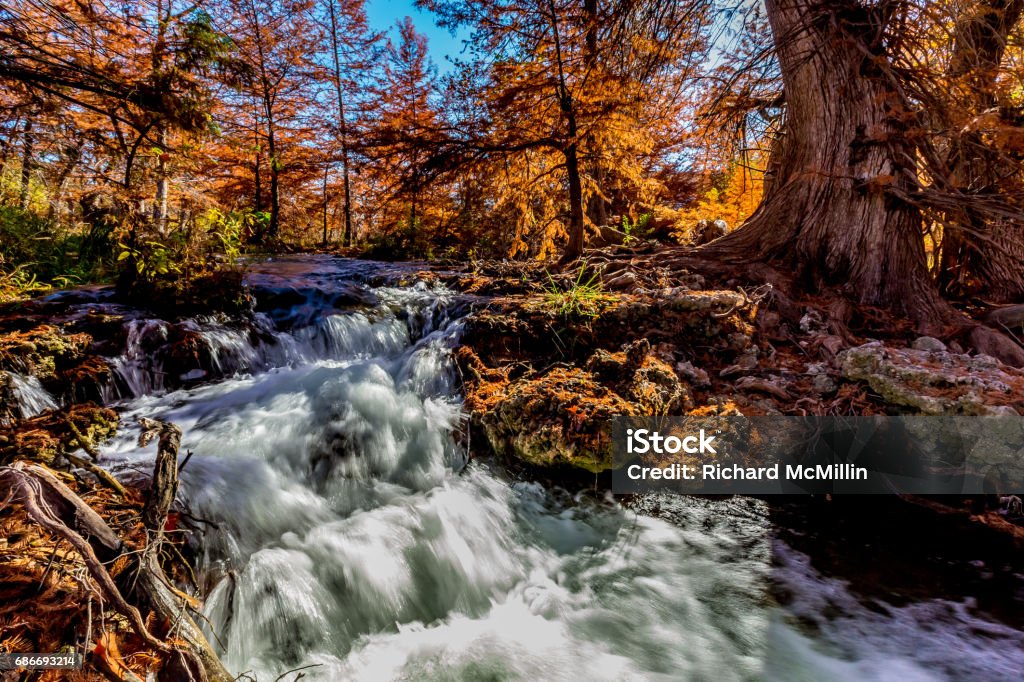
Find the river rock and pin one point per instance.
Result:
(562, 417)
(41, 351)
(823, 384)
(936, 382)
(928, 343)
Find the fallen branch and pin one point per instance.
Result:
(99, 472)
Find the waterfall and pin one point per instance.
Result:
(29, 395)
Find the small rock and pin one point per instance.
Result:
(929, 343)
(934, 382)
(816, 368)
(693, 375)
(748, 360)
(813, 323)
(831, 345)
(824, 384)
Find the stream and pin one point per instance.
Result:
(350, 535)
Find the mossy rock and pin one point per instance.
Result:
(562, 417)
(41, 351)
(45, 437)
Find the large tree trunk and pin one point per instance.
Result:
(980, 253)
(834, 207)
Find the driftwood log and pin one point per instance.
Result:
(200, 662)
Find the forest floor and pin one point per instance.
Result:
(547, 358)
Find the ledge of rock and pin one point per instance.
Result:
(563, 416)
(936, 382)
(543, 386)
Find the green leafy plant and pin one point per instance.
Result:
(583, 297)
(151, 260)
(229, 229)
(19, 283)
(637, 230)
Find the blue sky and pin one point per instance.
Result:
(384, 13)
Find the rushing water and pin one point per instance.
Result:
(30, 397)
(352, 535)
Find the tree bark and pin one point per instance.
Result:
(275, 172)
(324, 206)
(834, 208)
(160, 203)
(574, 247)
(576, 228)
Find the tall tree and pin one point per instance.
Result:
(352, 52)
(837, 204)
(405, 121)
(571, 77)
(276, 40)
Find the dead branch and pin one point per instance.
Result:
(199, 662)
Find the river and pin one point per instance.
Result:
(348, 533)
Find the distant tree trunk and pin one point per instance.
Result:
(163, 14)
(257, 171)
(325, 202)
(72, 155)
(834, 209)
(257, 185)
(275, 172)
(28, 141)
(160, 203)
(574, 247)
(266, 93)
(346, 207)
(576, 228)
(991, 256)
(597, 207)
(6, 144)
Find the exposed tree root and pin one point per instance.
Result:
(27, 482)
(175, 644)
(930, 315)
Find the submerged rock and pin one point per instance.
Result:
(936, 382)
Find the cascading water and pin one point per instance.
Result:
(30, 397)
(352, 535)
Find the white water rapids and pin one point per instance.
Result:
(352, 535)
